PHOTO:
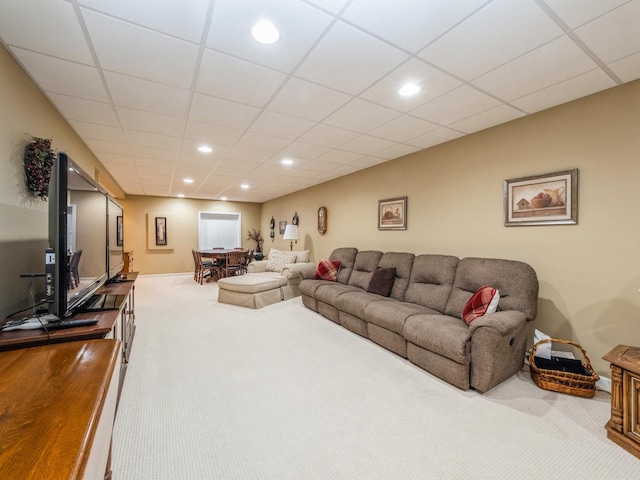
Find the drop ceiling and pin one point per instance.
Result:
(144, 83)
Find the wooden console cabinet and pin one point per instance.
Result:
(624, 426)
(58, 405)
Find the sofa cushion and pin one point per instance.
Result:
(330, 292)
(355, 302)
(432, 277)
(366, 262)
(402, 262)
(382, 281)
(278, 260)
(301, 256)
(483, 302)
(347, 257)
(442, 334)
(327, 270)
(392, 315)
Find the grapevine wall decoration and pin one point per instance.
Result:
(38, 166)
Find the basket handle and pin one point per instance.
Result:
(566, 342)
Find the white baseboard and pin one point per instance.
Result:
(604, 384)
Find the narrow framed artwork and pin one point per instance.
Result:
(119, 231)
(548, 199)
(161, 230)
(392, 214)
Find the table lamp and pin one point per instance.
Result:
(291, 233)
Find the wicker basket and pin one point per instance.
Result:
(561, 381)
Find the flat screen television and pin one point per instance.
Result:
(78, 230)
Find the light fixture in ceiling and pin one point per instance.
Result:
(188, 180)
(224, 199)
(265, 32)
(244, 186)
(180, 195)
(409, 89)
(205, 149)
(286, 161)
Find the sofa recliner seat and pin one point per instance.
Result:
(421, 318)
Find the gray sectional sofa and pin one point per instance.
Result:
(421, 319)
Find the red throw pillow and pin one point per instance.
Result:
(328, 270)
(484, 301)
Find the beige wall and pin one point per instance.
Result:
(589, 273)
(25, 112)
(182, 229)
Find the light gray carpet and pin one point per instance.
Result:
(215, 391)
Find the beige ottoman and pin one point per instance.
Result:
(251, 291)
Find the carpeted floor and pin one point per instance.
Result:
(215, 391)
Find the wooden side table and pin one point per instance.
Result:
(624, 426)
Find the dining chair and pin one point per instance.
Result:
(233, 263)
(206, 268)
(247, 260)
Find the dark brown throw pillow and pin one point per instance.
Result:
(382, 281)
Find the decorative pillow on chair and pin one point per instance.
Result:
(483, 302)
(328, 270)
(382, 281)
(277, 261)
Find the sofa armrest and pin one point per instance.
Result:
(298, 270)
(503, 322)
(257, 266)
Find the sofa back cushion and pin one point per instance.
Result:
(516, 281)
(431, 280)
(363, 268)
(402, 262)
(347, 257)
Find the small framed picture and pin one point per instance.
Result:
(119, 231)
(392, 214)
(547, 199)
(161, 230)
(282, 225)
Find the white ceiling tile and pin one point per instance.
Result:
(487, 119)
(578, 12)
(491, 37)
(150, 122)
(92, 131)
(299, 27)
(165, 167)
(436, 137)
(154, 153)
(61, 76)
(214, 134)
(29, 24)
(403, 128)
(628, 69)
(222, 112)
(366, 145)
(408, 23)
(395, 151)
(210, 159)
(615, 35)
(152, 140)
(361, 116)
(334, 156)
(149, 96)
(334, 6)
(576, 87)
(192, 146)
(278, 125)
(303, 99)
(302, 150)
(327, 136)
(136, 51)
(468, 101)
(366, 162)
(263, 143)
(84, 110)
(432, 83)
(247, 154)
(100, 146)
(227, 77)
(349, 60)
(184, 19)
(112, 160)
(552, 63)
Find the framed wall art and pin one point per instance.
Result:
(548, 199)
(392, 214)
(161, 230)
(119, 231)
(322, 220)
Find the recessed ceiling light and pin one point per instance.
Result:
(409, 89)
(224, 199)
(180, 195)
(188, 180)
(205, 149)
(286, 161)
(265, 32)
(244, 186)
